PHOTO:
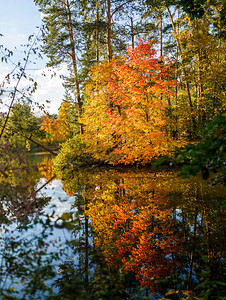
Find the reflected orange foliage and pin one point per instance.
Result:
(46, 167)
(134, 229)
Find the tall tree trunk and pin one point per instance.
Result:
(146, 109)
(200, 108)
(161, 47)
(160, 16)
(74, 61)
(132, 33)
(86, 263)
(192, 250)
(183, 69)
(207, 236)
(109, 46)
(97, 31)
(109, 23)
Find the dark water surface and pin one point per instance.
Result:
(109, 234)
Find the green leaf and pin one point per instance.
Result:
(66, 216)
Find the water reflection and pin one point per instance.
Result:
(161, 229)
(31, 244)
(18, 184)
(124, 230)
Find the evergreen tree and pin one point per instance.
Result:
(62, 38)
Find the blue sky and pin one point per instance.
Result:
(18, 20)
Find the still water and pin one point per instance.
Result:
(109, 233)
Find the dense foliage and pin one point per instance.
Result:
(142, 105)
(207, 156)
(125, 106)
(146, 80)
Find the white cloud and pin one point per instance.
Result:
(49, 87)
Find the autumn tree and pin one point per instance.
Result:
(196, 30)
(204, 57)
(65, 124)
(47, 126)
(62, 127)
(125, 107)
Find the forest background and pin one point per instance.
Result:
(144, 79)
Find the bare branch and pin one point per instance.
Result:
(33, 141)
(17, 84)
(119, 7)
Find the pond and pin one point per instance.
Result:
(109, 233)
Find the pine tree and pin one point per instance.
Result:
(62, 38)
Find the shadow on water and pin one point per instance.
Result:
(108, 234)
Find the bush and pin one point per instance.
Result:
(208, 155)
(205, 157)
(72, 156)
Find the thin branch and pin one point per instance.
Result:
(119, 7)
(47, 182)
(7, 76)
(17, 84)
(33, 141)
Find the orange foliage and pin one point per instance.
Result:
(57, 130)
(125, 110)
(47, 125)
